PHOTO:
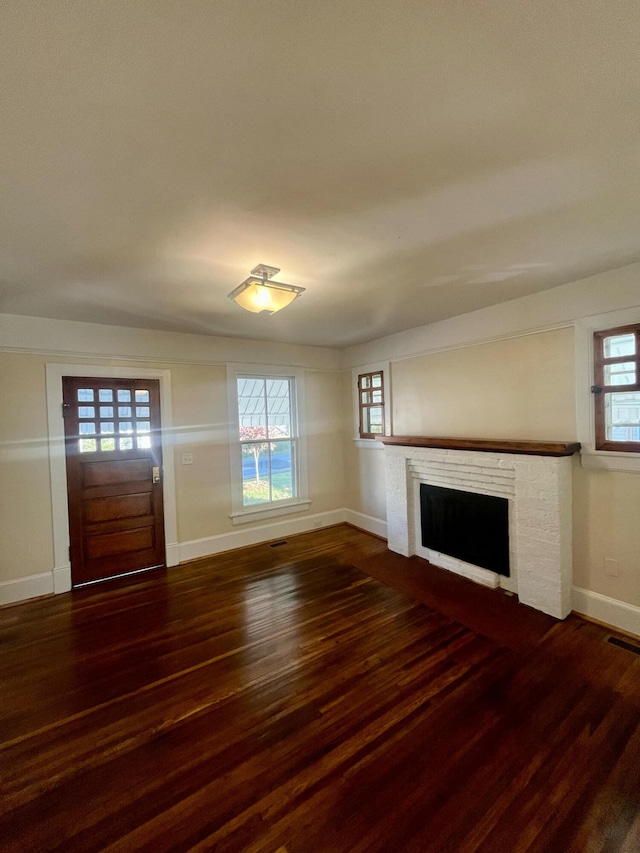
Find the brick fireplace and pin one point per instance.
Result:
(535, 478)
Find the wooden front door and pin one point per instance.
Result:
(114, 473)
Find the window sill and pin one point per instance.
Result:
(368, 443)
(246, 516)
(609, 460)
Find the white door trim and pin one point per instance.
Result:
(57, 461)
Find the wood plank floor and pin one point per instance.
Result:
(323, 695)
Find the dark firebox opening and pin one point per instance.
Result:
(471, 527)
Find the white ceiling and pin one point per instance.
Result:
(404, 160)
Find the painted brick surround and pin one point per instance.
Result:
(538, 489)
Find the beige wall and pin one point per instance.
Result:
(199, 397)
(606, 513)
(203, 492)
(518, 388)
(325, 415)
(26, 531)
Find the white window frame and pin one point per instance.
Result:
(241, 514)
(378, 367)
(611, 460)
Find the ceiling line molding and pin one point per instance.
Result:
(72, 339)
(558, 308)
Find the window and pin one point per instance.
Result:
(371, 404)
(617, 389)
(267, 446)
(267, 438)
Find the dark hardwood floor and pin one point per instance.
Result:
(323, 695)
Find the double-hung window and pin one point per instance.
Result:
(617, 389)
(267, 447)
(268, 435)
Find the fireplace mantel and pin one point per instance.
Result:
(486, 445)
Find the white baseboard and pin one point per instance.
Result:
(172, 554)
(62, 578)
(30, 587)
(365, 522)
(241, 538)
(618, 614)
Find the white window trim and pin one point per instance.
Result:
(385, 367)
(610, 460)
(239, 513)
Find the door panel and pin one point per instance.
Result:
(107, 545)
(114, 464)
(116, 471)
(111, 509)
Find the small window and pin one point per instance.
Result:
(371, 404)
(617, 389)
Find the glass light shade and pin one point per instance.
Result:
(258, 295)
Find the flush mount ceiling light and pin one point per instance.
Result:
(259, 294)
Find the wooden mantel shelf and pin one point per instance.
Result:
(498, 445)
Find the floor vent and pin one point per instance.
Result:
(624, 644)
(278, 544)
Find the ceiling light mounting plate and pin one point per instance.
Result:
(265, 271)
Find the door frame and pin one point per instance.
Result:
(58, 468)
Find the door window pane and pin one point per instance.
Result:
(86, 412)
(144, 442)
(106, 428)
(124, 411)
(126, 443)
(143, 426)
(107, 444)
(106, 411)
(125, 427)
(87, 445)
(87, 429)
(124, 395)
(142, 396)
(142, 411)
(85, 395)
(105, 395)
